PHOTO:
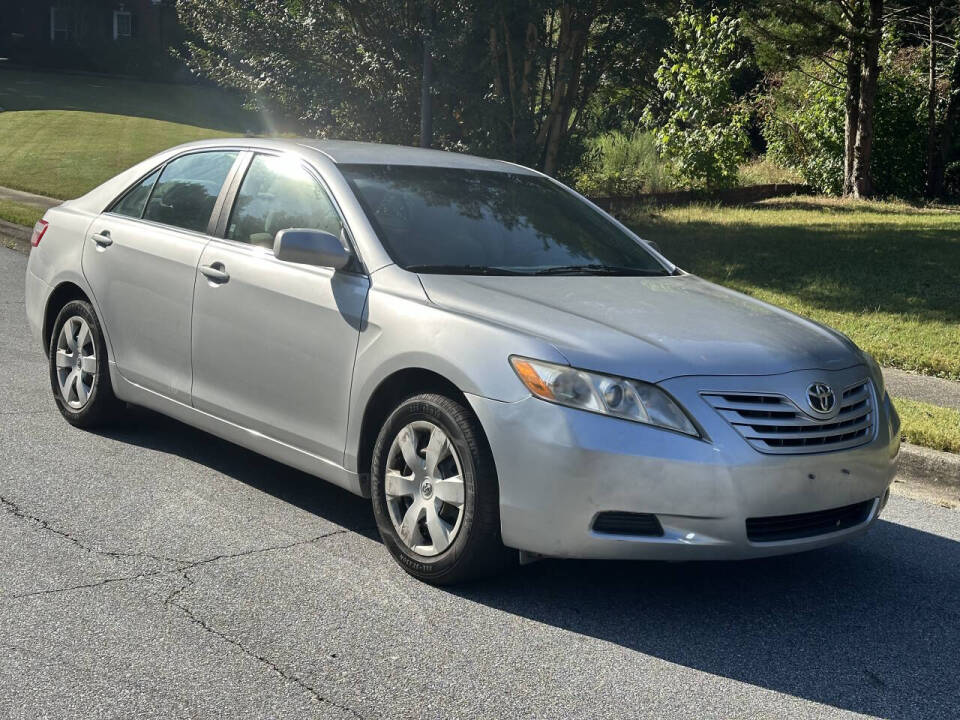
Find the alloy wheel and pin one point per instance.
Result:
(423, 484)
(76, 360)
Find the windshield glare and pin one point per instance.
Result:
(448, 220)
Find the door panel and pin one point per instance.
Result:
(143, 273)
(143, 281)
(274, 345)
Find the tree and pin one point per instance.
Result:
(845, 36)
(935, 26)
(509, 78)
(699, 124)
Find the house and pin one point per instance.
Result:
(90, 34)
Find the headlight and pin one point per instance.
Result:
(604, 394)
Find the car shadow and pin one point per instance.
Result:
(871, 626)
(147, 429)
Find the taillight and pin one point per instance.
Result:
(38, 230)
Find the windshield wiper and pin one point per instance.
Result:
(462, 270)
(597, 269)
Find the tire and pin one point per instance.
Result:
(472, 547)
(81, 387)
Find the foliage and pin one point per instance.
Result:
(621, 164)
(700, 125)
(763, 171)
(803, 127)
(511, 79)
(804, 124)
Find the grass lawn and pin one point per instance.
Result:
(929, 425)
(886, 274)
(20, 213)
(61, 135)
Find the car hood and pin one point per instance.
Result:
(649, 328)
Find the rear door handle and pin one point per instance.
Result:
(103, 239)
(215, 273)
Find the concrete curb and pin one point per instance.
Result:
(15, 231)
(15, 237)
(930, 467)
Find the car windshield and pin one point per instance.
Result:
(474, 222)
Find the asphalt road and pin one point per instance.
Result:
(155, 571)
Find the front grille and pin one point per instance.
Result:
(626, 523)
(774, 424)
(805, 525)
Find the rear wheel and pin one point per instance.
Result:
(79, 376)
(435, 492)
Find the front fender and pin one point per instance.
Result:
(403, 330)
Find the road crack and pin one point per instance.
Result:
(283, 674)
(18, 512)
(181, 567)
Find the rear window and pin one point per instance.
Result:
(187, 190)
(132, 204)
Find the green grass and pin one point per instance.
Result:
(20, 213)
(61, 135)
(765, 172)
(886, 274)
(929, 425)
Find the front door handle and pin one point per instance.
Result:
(215, 273)
(103, 238)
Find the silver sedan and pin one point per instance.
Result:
(504, 369)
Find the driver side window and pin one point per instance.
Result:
(278, 193)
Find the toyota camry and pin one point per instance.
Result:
(505, 370)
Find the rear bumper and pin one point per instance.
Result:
(36, 292)
(558, 468)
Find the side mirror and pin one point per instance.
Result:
(310, 247)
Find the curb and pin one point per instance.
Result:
(19, 232)
(15, 237)
(929, 467)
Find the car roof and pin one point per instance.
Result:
(347, 152)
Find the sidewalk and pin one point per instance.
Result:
(28, 198)
(923, 388)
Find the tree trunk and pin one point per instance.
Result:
(571, 45)
(426, 104)
(851, 115)
(932, 146)
(863, 147)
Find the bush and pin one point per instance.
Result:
(763, 171)
(699, 123)
(803, 127)
(618, 164)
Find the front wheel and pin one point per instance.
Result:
(435, 492)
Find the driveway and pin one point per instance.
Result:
(155, 571)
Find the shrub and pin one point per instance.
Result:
(619, 164)
(699, 124)
(763, 171)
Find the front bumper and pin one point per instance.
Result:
(558, 468)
